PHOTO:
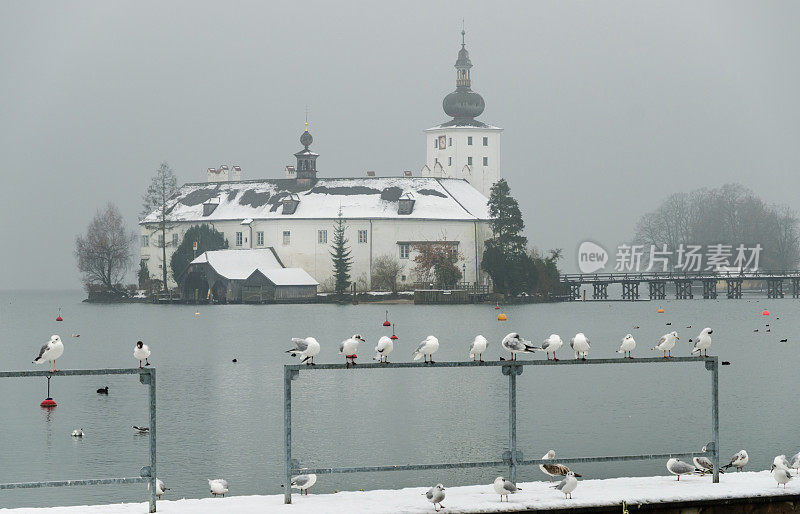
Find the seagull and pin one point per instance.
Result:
(515, 344)
(384, 348)
(505, 487)
(348, 347)
(50, 351)
(780, 474)
(76, 335)
(426, 349)
(567, 485)
(780, 460)
(702, 342)
(435, 495)
(550, 345)
(78, 432)
(160, 488)
(218, 486)
(794, 462)
(142, 353)
(141, 430)
(303, 482)
(704, 464)
(477, 347)
(666, 343)
(306, 348)
(103, 390)
(554, 470)
(580, 344)
(678, 467)
(627, 345)
(738, 461)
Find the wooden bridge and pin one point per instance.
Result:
(683, 281)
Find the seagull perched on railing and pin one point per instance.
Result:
(554, 470)
(50, 351)
(515, 344)
(306, 348)
(581, 345)
(626, 347)
(505, 487)
(550, 345)
(142, 353)
(384, 348)
(477, 347)
(666, 343)
(348, 348)
(426, 349)
(702, 342)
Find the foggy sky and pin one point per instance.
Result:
(607, 106)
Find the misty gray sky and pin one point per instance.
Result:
(607, 106)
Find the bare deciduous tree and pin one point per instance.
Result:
(105, 253)
(385, 270)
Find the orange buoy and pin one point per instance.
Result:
(501, 317)
(765, 313)
(660, 311)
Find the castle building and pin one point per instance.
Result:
(294, 215)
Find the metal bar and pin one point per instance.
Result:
(61, 483)
(512, 422)
(152, 431)
(75, 372)
(477, 364)
(287, 434)
(715, 415)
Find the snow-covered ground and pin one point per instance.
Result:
(476, 498)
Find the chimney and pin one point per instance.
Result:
(290, 173)
(370, 173)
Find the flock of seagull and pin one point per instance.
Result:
(308, 347)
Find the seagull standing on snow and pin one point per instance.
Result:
(505, 487)
(436, 495)
(306, 348)
(550, 345)
(702, 342)
(303, 482)
(160, 488)
(515, 344)
(794, 462)
(666, 343)
(738, 461)
(477, 347)
(678, 467)
(780, 473)
(704, 464)
(426, 349)
(50, 351)
(627, 346)
(142, 353)
(580, 344)
(218, 486)
(554, 470)
(384, 348)
(781, 461)
(567, 485)
(348, 348)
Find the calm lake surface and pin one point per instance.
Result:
(222, 419)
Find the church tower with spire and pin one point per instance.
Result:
(464, 147)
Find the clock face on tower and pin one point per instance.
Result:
(442, 142)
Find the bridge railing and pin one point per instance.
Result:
(669, 275)
(147, 474)
(513, 456)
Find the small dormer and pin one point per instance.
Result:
(210, 205)
(405, 205)
(290, 171)
(236, 173)
(290, 204)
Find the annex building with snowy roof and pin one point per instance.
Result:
(295, 215)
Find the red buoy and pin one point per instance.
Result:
(59, 318)
(765, 313)
(496, 307)
(387, 323)
(393, 337)
(48, 403)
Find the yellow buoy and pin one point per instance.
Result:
(661, 311)
(501, 317)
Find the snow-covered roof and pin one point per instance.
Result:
(290, 277)
(240, 264)
(366, 197)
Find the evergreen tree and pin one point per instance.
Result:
(143, 275)
(505, 256)
(156, 201)
(342, 261)
(207, 239)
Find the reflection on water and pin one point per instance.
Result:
(220, 418)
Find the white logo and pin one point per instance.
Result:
(591, 257)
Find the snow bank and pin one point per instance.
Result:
(476, 498)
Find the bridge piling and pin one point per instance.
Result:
(710, 289)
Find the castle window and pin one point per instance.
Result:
(362, 236)
(469, 140)
(485, 141)
(485, 161)
(238, 239)
(175, 241)
(260, 238)
(450, 141)
(403, 250)
(435, 143)
(469, 161)
(160, 240)
(449, 161)
(145, 240)
(322, 236)
(287, 237)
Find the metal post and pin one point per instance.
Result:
(512, 422)
(287, 434)
(715, 414)
(153, 474)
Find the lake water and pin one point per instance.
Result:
(222, 419)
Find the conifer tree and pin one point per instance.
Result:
(505, 256)
(157, 201)
(342, 261)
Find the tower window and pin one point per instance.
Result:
(238, 239)
(362, 236)
(485, 161)
(450, 141)
(145, 240)
(322, 236)
(449, 161)
(485, 141)
(260, 238)
(469, 140)
(469, 161)
(287, 237)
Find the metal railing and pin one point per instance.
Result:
(147, 474)
(645, 276)
(512, 457)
